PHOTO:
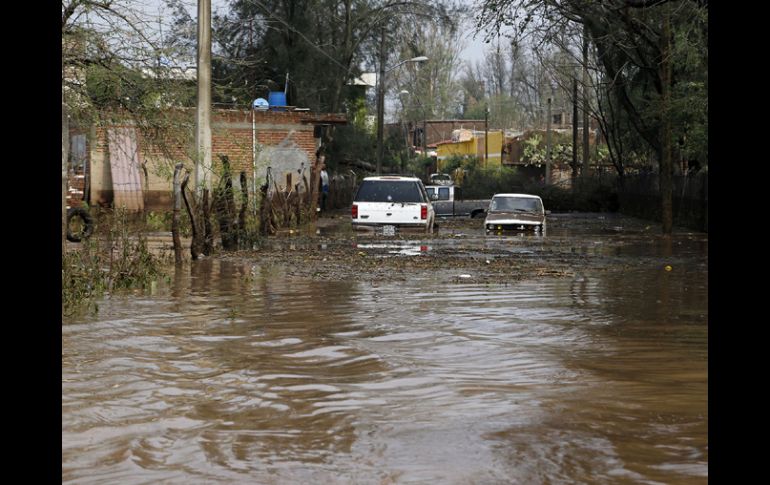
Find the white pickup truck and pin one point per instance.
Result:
(391, 202)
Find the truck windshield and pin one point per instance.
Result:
(524, 204)
(388, 191)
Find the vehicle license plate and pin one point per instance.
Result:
(388, 230)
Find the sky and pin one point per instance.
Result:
(473, 51)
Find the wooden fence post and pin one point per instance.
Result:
(175, 218)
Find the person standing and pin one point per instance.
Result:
(324, 184)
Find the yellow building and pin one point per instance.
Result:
(471, 143)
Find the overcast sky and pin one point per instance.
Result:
(473, 51)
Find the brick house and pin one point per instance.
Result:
(284, 141)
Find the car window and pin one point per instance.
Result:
(443, 193)
(431, 191)
(425, 197)
(526, 204)
(389, 191)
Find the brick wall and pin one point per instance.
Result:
(285, 140)
(75, 190)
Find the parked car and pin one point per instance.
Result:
(440, 179)
(511, 212)
(448, 201)
(391, 202)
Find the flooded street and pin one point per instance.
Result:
(245, 370)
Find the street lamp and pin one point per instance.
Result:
(381, 104)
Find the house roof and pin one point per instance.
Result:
(367, 79)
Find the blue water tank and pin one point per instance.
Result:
(277, 100)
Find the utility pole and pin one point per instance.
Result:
(381, 102)
(203, 120)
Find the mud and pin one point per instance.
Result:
(459, 250)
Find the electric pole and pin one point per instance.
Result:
(203, 120)
(381, 102)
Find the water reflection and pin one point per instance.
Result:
(239, 373)
(402, 248)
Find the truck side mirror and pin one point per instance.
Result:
(434, 196)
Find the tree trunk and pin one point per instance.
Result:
(65, 153)
(224, 206)
(197, 243)
(244, 208)
(586, 155)
(574, 164)
(208, 240)
(266, 226)
(175, 218)
(65, 150)
(666, 180)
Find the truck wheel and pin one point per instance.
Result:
(80, 224)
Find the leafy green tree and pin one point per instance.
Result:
(311, 48)
(648, 52)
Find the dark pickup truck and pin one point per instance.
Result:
(448, 201)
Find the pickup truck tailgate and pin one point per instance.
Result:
(389, 212)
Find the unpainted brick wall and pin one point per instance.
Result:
(285, 143)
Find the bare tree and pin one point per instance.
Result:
(434, 91)
(115, 63)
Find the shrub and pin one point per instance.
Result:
(118, 260)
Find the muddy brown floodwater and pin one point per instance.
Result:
(330, 357)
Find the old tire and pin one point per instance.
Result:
(80, 224)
